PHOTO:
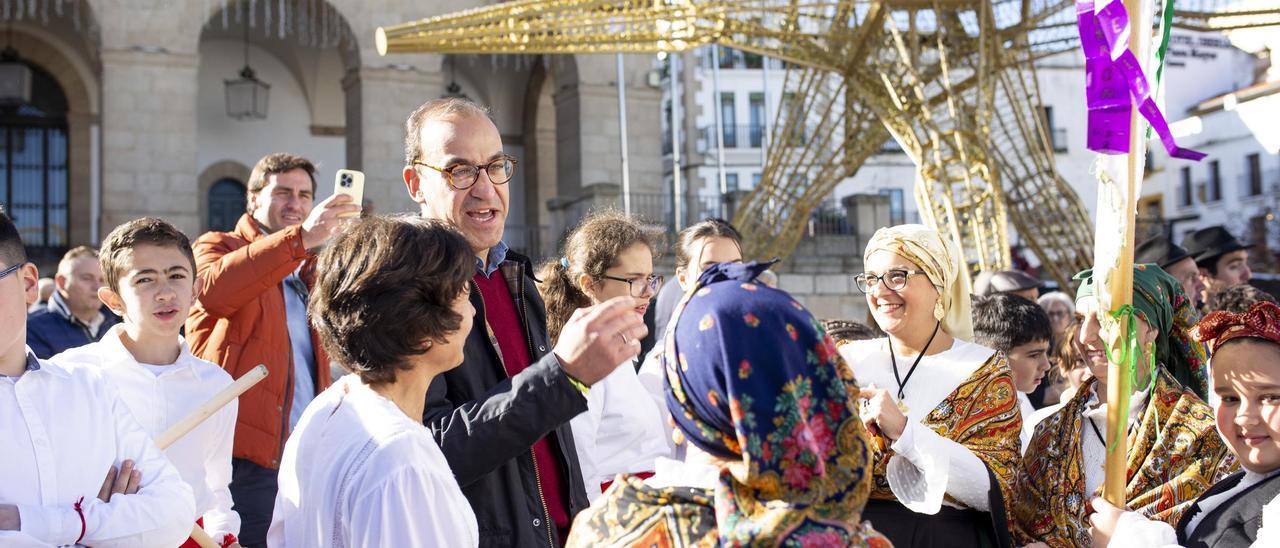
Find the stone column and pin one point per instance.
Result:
(149, 138)
(379, 100)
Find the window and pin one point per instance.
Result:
(1254, 175)
(727, 120)
(1215, 182)
(731, 182)
(226, 204)
(1057, 136)
(756, 131)
(897, 207)
(1184, 188)
(755, 179)
(752, 60)
(34, 182)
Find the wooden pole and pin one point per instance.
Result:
(199, 415)
(1120, 280)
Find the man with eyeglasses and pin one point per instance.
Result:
(502, 417)
(252, 289)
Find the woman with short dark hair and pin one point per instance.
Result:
(391, 306)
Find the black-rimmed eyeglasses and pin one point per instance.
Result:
(6, 272)
(893, 280)
(639, 286)
(464, 176)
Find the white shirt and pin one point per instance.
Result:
(1134, 530)
(620, 433)
(358, 472)
(652, 376)
(1024, 405)
(926, 466)
(159, 396)
(63, 428)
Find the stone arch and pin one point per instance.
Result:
(70, 57)
(225, 169)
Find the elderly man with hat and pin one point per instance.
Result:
(1175, 260)
(1013, 282)
(1223, 261)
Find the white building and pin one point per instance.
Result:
(1219, 96)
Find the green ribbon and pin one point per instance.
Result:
(1128, 359)
(1166, 25)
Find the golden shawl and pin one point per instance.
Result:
(1174, 455)
(981, 414)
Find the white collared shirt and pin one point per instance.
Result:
(159, 396)
(358, 472)
(620, 433)
(63, 428)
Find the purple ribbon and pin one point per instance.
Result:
(1112, 75)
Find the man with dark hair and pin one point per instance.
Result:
(1237, 299)
(62, 428)
(252, 287)
(1223, 261)
(1021, 330)
(1175, 260)
(74, 316)
(502, 417)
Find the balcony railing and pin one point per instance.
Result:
(744, 136)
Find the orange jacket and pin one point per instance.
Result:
(238, 322)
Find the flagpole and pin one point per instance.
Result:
(1120, 280)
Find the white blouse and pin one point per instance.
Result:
(926, 465)
(158, 397)
(358, 472)
(620, 433)
(1133, 530)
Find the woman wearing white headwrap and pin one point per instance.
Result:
(944, 410)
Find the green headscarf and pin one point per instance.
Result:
(1159, 300)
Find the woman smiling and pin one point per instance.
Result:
(944, 409)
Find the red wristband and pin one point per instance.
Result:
(228, 539)
(80, 512)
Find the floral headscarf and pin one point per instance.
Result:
(1261, 321)
(1158, 298)
(756, 381)
(939, 257)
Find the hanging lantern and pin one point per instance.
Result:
(15, 79)
(247, 96)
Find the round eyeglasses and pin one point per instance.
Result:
(464, 176)
(638, 287)
(893, 280)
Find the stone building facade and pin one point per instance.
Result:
(143, 129)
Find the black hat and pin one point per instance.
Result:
(1211, 243)
(1006, 281)
(1159, 250)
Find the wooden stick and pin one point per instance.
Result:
(1120, 286)
(202, 413)
(206, 410)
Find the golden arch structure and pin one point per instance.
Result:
(952, 81)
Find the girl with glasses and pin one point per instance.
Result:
(607, 256)
(943, 410)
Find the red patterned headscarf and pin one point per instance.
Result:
(1262, 321)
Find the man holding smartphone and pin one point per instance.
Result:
(251, 309)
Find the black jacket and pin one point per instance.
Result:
(486, 422)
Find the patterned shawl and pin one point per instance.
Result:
(981, 414)
(1174, 455)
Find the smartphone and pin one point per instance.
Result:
(351, 183)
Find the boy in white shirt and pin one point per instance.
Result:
(149, 269)
(61, 428)
(1021, 330)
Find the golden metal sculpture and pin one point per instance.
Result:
(952, 81)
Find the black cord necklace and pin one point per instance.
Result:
(902, 383)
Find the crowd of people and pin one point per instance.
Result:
(429, 386)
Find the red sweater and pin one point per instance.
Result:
(504, 321)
